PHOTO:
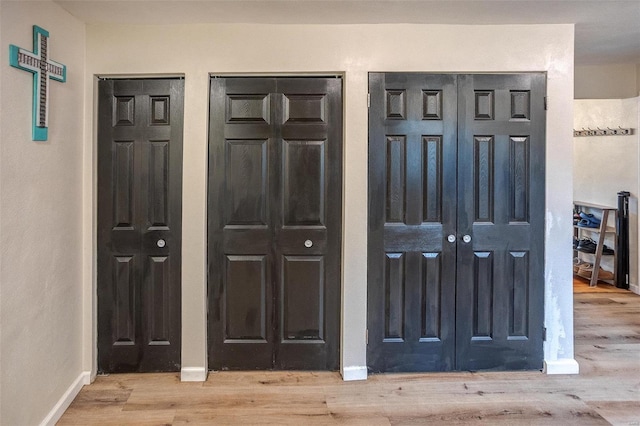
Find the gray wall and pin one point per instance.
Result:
(614, 81)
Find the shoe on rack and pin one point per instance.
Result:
(577, 262)
(585, 269)
(576, 218)
(586, 223)
(608, 251)
(586, 245)
(575, 243)
(588, 220)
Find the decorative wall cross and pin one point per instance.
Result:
(43, 69)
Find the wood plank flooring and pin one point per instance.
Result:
(607, 391)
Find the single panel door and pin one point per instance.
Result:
(412, 213)
(275, 209)
(500, 284)
(139, 225)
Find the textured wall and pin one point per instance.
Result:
(40, 220)
(354, 50)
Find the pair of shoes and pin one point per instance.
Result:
(588, 220)
(586, 245)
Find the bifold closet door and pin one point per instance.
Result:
(500, 278)
(275, 177)
(456, 222)
(412, 216)
(139, 225)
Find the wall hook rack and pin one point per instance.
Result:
(603, 132)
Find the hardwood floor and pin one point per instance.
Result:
(607, 334)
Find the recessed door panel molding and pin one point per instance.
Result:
(123, 185)
(247, 182)
(139, 225)
(159, 315)
(484, 172)
(396, 179)
(248, 108)
(431, 297)
(432, 178)
(483, 296)
(304, 178)
(394, 297)
(456, 214)
(303, 298)
(275, 185)
(518, 266)
(520, 184)
(125, 314)
(304, 108)
(124, 111)
(245, 305)
(158, 182)
(160, 107)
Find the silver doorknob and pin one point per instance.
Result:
(308, 243)
(466, 238)
(451, 238)
(161, 243)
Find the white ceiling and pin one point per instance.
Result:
(607, 31)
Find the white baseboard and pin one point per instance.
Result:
(561, 366)
(634, 288)
(67, 398)
(193, 374)
(354, 373)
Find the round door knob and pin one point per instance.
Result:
(161, 243)
(451, 238)
(308, 243)
(466, 238)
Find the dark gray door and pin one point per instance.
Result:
(500, 283)
(275, 208)
(139, 224)
(412, 210)
(456, 222)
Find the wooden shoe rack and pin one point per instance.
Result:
(599, 236)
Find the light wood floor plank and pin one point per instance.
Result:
(607, 391)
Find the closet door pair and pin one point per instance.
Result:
(456, 221)
(274, 218)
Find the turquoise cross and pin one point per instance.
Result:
(43, 69)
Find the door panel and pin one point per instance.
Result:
(501, 206)
(437, 302)
(412, 158)
(240, 209)
(139, 204)
(275, 194)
